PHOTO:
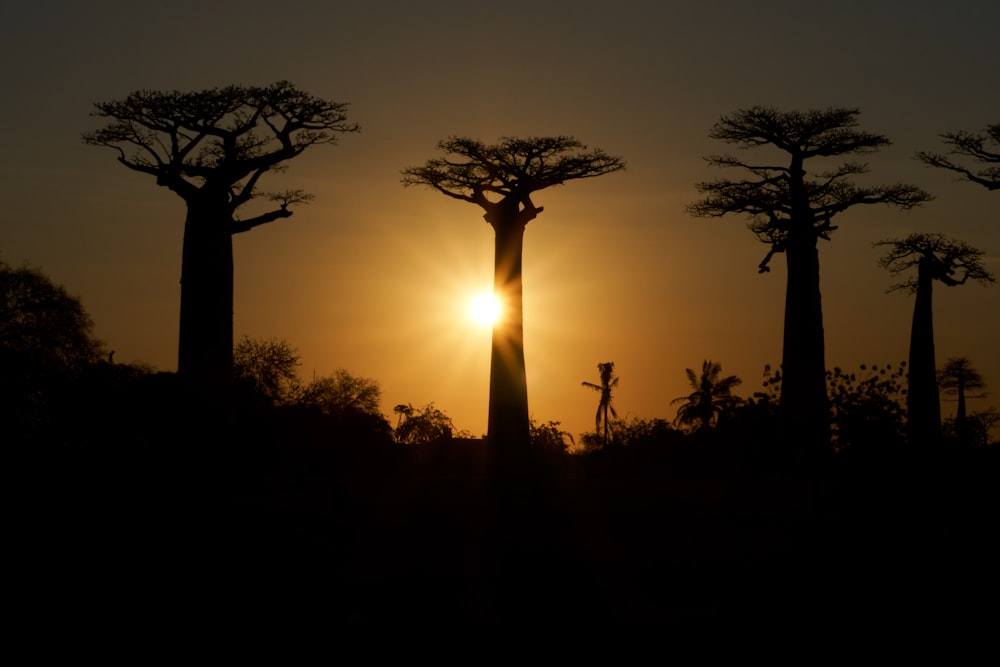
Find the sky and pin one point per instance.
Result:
(375, 278)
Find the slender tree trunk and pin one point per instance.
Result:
(508, 412)
(804, 406)
(205, 348)
(923, 405)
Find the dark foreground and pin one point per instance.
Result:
(431, 542)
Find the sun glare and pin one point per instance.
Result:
(484, 308)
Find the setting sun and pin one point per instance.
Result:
(484, 308)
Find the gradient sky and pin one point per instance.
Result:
(375, 278)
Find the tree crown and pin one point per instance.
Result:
(780, 198)
(510, 170)
(958, 374)
(940, 256)
(41, 324)
(982, 148)
(220, 140)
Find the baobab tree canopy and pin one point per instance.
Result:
(211, 148)
(779, 198)
(508, 171)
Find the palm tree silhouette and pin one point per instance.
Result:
(711, 399)
(604, 407)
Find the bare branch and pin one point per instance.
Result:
(983, 149)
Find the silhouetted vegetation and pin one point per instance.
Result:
(606, 413)
(294, 490)
(959, 379)
(212, 148)
(937, 259)
(711, 401)
(971, 151)
(500, 179)
(790, 210)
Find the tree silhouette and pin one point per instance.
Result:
(267, 368)
(979, 148)
(937, 258)
(605, 410)
(711, 399)
(46, 339)
(957, 378)
(423, 425)
(790, 211)
(211, 148)
(342, 393)
(500, 178)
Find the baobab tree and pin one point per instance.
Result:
(500, 178)
(790, 210)
(605, 410)
(711, 399)
(973, 148)
(212, 148)
(958, 378)
(950, 262)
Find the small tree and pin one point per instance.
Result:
(936, 258)
(268, 368)
(500, 179)
(790, 211)
(605, 410)
(958, 378)
(342, 393)
(983, 149)
(424, 425)
(46, 340)
(212, 148)
(711, 400)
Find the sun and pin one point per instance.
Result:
(484, 308)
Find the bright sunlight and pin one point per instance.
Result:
(484, 308)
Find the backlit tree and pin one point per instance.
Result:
(967, 149)
(605, 410)
(212, 148)
(960, 379)
(501, 178)
(936, 259)
(711, 399)
(791, 208)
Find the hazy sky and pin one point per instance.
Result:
(375, 278)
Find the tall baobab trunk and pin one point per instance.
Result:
(804, 407)
(804, 404)
(922, 400)
(508, 409)
(205, 346)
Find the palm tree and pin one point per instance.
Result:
(604, 407)
(711, 399)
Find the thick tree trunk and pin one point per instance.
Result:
(508, 411)
(962, 431)
(804, 407)
(923, 405)
(205, 348)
